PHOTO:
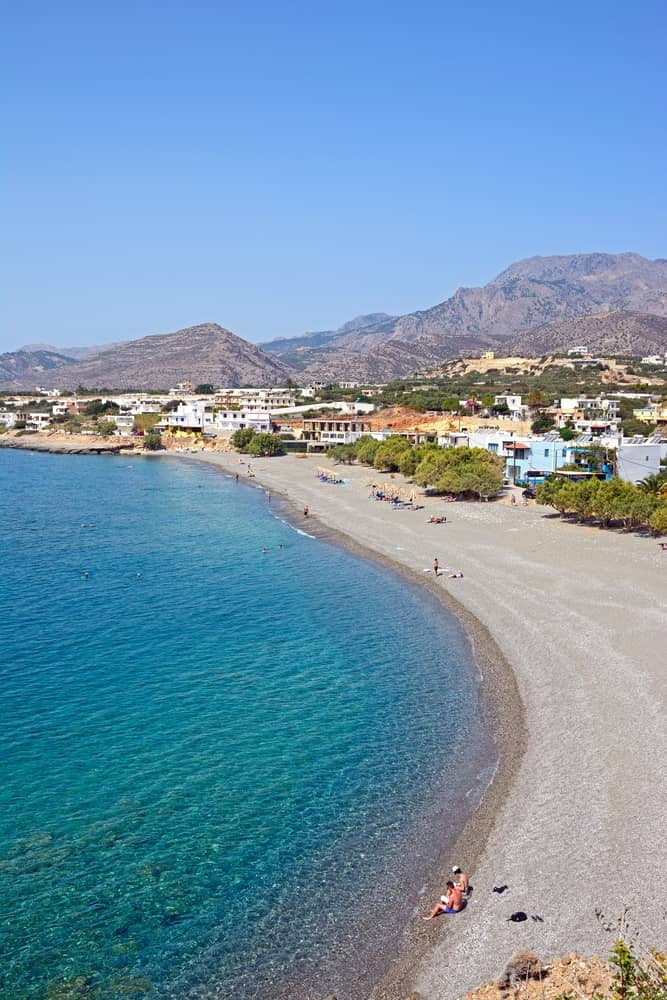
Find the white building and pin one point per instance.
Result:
(587, 415)
(228, 421)
(610, 408)
(124, 422)
(637, 458)
(7, 418)
(312, 389)
(513, 403)
(35, 421)
(198, 416)
(255, 399)
(185, 388)
(533, 456)
(59, 409)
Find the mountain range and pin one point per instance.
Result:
(613, 303)
(204, 353)
(509, 311)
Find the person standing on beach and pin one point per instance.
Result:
(436, 566)
(305, 511)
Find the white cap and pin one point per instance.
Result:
(456, 869)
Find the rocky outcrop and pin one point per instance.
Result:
(526, 975)
(611, 333)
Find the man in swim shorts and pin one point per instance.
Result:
(451, 902)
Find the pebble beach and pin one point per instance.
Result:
(569, 624)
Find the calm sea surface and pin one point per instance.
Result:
(222, 772)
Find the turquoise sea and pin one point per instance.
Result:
(224, 773)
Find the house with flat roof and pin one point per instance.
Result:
(333, 430)
(199, 417)
(255, 399)
(531, 458)
(35, 421)
(514, 404)
(8, 418)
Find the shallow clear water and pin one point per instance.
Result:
(210, 770)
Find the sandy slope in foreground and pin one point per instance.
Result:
(581, 615)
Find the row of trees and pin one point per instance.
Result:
(445, 470)
(610, 502)
(257, 443)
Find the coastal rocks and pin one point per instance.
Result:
(85, 987)
(33, 853)
(67, 444)
(131, 986)
(74, 988)
(527, 975)
(523, 966)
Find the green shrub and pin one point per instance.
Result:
(343, 453)
(242, 438)
(388, 456)
(366, 449)
(608, 502)
(263, 444)
(409, 461)
(461, 470)
(106, 427)
(658, 520)
(152, 441)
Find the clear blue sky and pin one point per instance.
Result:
(278, 167)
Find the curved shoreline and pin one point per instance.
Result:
(578, 618)
(502, 712)
(572, 620)
(500, 705)
(501, 709)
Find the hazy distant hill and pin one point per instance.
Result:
(608, 333)
(387, 361)
(29, 368)
(74, 353)
(289, 347)
(205, 353)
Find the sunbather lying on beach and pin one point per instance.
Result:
(437, 519)
(451, 902)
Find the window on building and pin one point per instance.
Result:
(493, 447)
(546, 452)
(564, 452)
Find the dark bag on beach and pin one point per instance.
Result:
(518, 917)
